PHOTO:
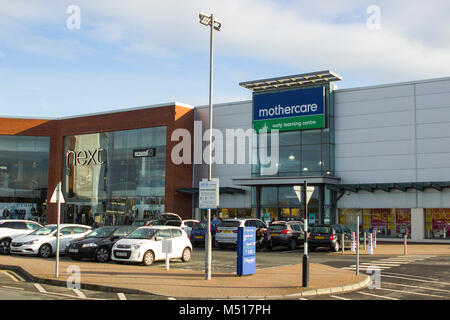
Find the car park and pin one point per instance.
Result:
(341, 229)
(42, 241)
(14, 228)
(324, 236)
(98, 243)
(226, 233)
(187, 225)
(198, 233)
(287, 234)
(145, 245)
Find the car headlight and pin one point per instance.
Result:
(30, 242)
(137, 246)
(89, 245)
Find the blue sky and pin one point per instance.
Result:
(143, 52)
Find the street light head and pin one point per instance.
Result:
(206, 21)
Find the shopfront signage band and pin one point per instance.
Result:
(289, 110)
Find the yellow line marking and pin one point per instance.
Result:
(10, 275)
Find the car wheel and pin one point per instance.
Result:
(292, 245)
(5, 246)
(102, 254)
(45, 251)
(186, 256)
(149, 258)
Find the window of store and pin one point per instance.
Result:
(106, 184)
(24, 164)
(437, 224)
(387, 223)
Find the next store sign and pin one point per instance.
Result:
(289, 110)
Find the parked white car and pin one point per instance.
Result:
(187, 225)
(14, 228)
(226, 232)
(42, 241)
(144, 245)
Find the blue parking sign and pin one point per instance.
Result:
(246, 251)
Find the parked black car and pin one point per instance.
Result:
(98, 243)
(162, 219)
(329, 236)
(286, 233)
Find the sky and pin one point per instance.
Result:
(61, 58)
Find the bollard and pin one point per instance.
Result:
(370, 244)
(405, 244)
(342, 242)
(352, 245)
(374, 239)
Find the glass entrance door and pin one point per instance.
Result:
(290, 214)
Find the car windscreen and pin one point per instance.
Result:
(44, 231)
(338, 228)
(230, 224)
(144, 233)
(321, 229)
(277, 227)
(199, 226)
(102, 232)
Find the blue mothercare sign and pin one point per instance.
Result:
(289, 110)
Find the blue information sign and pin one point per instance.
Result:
(246, 251)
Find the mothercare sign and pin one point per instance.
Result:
(289, 110)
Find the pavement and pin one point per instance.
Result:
(278, 282)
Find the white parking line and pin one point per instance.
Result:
(409, 275)
(16, 288)
(410, 292)
(409, 286)
(39, 288)
(380, 264)
(376, 296)
(419, 280)
(340, 298)
(79, 293)
(121, 296)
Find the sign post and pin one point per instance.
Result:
(357, 245)
(208, 199)
(167, 249)
(57, 198)
(305, 264)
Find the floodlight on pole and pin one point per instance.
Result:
(213, 24)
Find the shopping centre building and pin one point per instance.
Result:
(381, 153)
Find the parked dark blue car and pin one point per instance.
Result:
(199, 231)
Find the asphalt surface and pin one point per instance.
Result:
(396, 277)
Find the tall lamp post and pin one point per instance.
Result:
(214, 24)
